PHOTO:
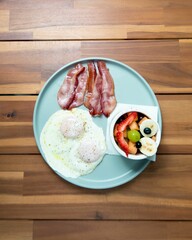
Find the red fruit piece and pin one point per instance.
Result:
(122, 142)
(115, 129)
(127, 121)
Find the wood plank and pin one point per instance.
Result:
(11, 182)
(94, 207)
(35, 164)
(185, 50)
(166, 77)
(16, 124)
(17, 109)
(131, 209)
(12, 5)
(21, 19)
(103, 31)
(19, 230)
(23, 163)
(4, 20)
(17, 136)
(134, 4)
(47, 196)
(73, 230)
(16, 230)
(173, 129)
(163, 173)
(158, 32)
(25, 66)
(124, 31)
(29, 64)
(133, 51)
(22, 4)
(16, 36)
(178, 15)
(95, 20)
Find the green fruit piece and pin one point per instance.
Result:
(134, 135)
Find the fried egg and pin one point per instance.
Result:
(72, 143)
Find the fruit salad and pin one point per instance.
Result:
(135, 133)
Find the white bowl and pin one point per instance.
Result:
(138, 156)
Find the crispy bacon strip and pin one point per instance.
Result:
(95, 107)
(80, 90)
(90, 83)
(108, 100)
(66, 92)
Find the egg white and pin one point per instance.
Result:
(63, 153)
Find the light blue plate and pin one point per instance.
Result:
(130, 88)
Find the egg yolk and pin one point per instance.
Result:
(89, 150)
(72, 127)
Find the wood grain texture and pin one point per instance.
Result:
(165, 64)
(73, 230)
(27, 65)
(4, 20)
(82, 19)
(148, 51)
(11, 182)
(47, 196)
(186, 50)
(21, 19)
(16, 230)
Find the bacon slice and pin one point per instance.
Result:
(66, 92)
(80, 90)
(108, 100)
(95, 107)
(90, 84)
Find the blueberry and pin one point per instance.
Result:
(140, 116)
(147, 130)
(138, 145)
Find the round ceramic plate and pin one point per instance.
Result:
(131, 88)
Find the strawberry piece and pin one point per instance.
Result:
(115, 129)
(127, 121)
(122, 142)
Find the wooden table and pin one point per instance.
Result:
(37, 38)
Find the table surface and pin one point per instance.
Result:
(36, 39)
